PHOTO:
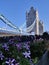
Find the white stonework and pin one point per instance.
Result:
(36, 27)
(37, 24)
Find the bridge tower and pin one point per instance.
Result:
(31, 17)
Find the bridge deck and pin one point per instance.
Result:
(8, 34)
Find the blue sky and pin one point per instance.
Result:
(15, 11)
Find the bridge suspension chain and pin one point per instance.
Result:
(6, 21)
(31, 26)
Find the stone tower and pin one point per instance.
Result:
(31, 17)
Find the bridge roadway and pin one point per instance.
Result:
(7, 34)
(4, 32)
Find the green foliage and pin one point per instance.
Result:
(37, 50)
(24, 61)
(35, 60)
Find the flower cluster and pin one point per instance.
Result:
(11, 61)
(1, 56)
(14, 53)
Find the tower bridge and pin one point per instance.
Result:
(32, 24)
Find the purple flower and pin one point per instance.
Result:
(1, 56)
(28, 42)
(26, 46)
(11, 61)
(19, 46)
(26, 54)
(11, 41)
(5, 46)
